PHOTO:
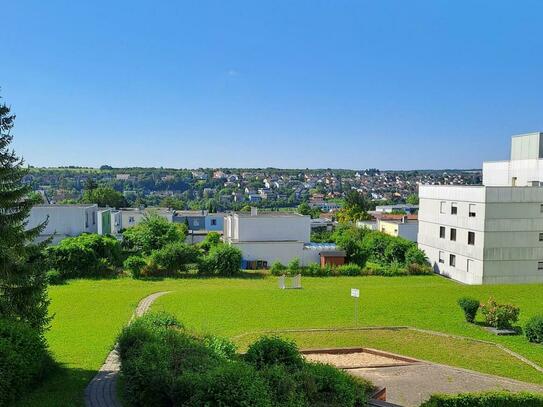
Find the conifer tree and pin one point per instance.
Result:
(23, 283)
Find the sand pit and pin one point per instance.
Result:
(355, 359)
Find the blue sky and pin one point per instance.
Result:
(339, 84)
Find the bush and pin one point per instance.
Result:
(175, 257)
(489, 399)
(470, 306)
(349, 270)
(87, 255)
(277, 269)
(395, 269)
(134, 264)
(294, 266)
(222, 260)
(500, 316)
(54, 277)
(231, 384)
(24, 359)
(268, 351)
(284, 389)
(325, 385)
(534, 329)
(416, 269)
(222, 347)
(415, 256)
(211, 240)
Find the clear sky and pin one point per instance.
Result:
(341, 84)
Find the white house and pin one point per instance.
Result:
(63, 220)
(491, 233)
(132, 216)
(272, 236)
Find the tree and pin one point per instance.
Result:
(23, 284)
(412, 199)
(356, 208)
(153, 233)
(90, 184)
(104, 196)
(173, 203)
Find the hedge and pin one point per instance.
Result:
(534, 329)
(489, 399)
(24, 360)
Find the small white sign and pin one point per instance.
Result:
(355, 292)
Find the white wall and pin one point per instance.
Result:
(269, 228)
(65, 220)
(271, 251)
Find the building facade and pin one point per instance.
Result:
(488, 234)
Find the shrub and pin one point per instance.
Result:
(212, 239)
(325, 385)
(416, 269)
(373, 269)
(488, 399)
(415, 256)
(534, 329)
(86, 255)
(231, 384)
(222, 347)
(54, 277)
(284, 389)
(277, 269)
(501, 316)
(470, 306)
(223, 260)
(273, 350)
(134, 264)
(395, 269)
(294, 266)
(175, 257)
(349, 270)
(24, 359)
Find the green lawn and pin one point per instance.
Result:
(89, 314)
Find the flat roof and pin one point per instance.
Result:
(268, 214)
(65, 206)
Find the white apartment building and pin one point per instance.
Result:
(63, 220)
(272, 236)
(493, 233)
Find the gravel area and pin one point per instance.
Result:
(353, 360)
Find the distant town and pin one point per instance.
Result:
(224, 189)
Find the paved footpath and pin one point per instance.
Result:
(102, 390)
(410, 385)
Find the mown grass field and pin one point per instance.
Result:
(89, 314)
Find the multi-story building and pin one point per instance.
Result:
(63, 220)
(492, 233)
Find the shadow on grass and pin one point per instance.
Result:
(517, 328)
(62, 387)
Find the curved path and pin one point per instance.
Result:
(102, 390)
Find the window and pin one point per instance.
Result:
(469, 265)
(196, 223)
(471, 238)
(541, 237)
(94, 218)
(86, 220)
(213, 222)
(454, 209)
(442, 232)
(130, 219)
(442, 257)
(453, 234)
(472, 210)
(442, 207)
(452, 260)
(540, 265)
(541, 208)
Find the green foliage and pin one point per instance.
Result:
(134, 265)
(277, 269)
(85, 256)
(534, 329)
(173, 203)
(272, 350)
(175, 257)
(470, 306)
(153, 233)
(294, 266)
(356, 208)
(324, 385)
(104, 197)
(322, 236)
(54, 277)
(283, 386)
(414, 255)
(221, 347)
(350, 238)
(501, 316)
(23, 283)
(412, 199)
(349, 269)
(305, 209)
(211, 240)
(24, 359)
(231, 384)
(489, 399)
(222, 260)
